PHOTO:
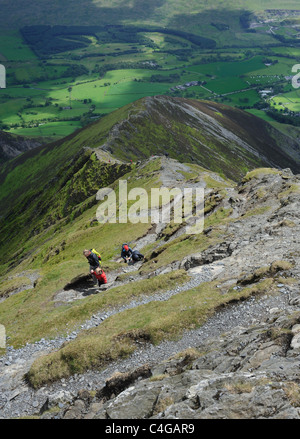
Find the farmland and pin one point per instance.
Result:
(63, 77)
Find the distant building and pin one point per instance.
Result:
(265, 93)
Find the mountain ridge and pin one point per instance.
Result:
(209, 122)
(44, 187)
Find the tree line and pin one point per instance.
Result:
(46, 40)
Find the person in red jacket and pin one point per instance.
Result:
(100, 276)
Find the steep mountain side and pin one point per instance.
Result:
(28, 173)
(54, 255)
(12, 145)
(51, 184)
(51, 206)
(220, 138)
(227, 297)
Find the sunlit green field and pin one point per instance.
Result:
(12, 47)
(50, 129)
(41, 91)
(287, 101)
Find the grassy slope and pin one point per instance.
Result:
(59, 259)
(116, 337)
(46, 188)
(33, 314)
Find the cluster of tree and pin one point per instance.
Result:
(175, 42)
(245, 19)
(266, 60)
(129, 33)
(220, 26)
(285, 40)
(162, 78)
(4, 126)
(86, 118)
(39, 76)
(46, 40)
(123, 34)
(181, 54)
(284, 118)
(203, 42)
(124, 65)
(260, 105)
(98, 54)
(74, 70)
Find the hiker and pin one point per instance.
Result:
(130, 255)
(136, 256)
(94, 259)
(126, 252)
(100, 276)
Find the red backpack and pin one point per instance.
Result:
(101, 277)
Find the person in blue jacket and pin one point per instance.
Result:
(130, 255)
(126, 252)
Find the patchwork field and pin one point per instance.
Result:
(62, 78)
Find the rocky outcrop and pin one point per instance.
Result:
(11, 146)
(248, 373)
(214, 253)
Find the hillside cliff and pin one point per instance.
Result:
(215, 337)
(11, 146)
